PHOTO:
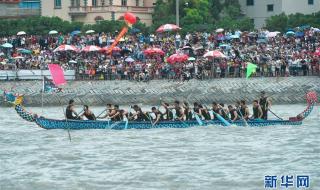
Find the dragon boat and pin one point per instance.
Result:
(47, 123)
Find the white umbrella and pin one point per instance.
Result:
(215, 53)
(53, 32)
(72, 61)
(219, 30)
(272, 34)
(129, 59)
(19, 57)
(91, 48)
(21, 33)
(90, 31)
(191, 59)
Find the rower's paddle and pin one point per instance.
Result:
(243, 119)
(220, 118)
(275, 114)
(127, 119)
(101, 113)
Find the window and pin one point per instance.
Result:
(270, 7)
(137, 3)
(75, 3)
(94, 3)
(102, 2)
(250, 2)
(113, 16)
(111, 2)
(57, 4)
(123, 2)
(310, 2)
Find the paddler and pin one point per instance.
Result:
(139, 115)
(187, 111)
(265, 104)
(158, 115)
(109, 112)
(179, 110)
(168, 115)
(244, 110)
(70, 112)
(233, 113)
(216, 108)
(88, 113)
(256, 109)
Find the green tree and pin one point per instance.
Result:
(277, 23)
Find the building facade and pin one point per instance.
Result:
(260, 10)
(92, 11)
(15, 9)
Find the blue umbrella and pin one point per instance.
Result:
(290, 33)
(261, 40)
(299, 34)
(76, 32)
(234, 36)
(7, 45)
(227, 46)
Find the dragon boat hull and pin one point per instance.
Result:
(86, 124)
(100, 124)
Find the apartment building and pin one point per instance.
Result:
(260, 10)
(92, 11)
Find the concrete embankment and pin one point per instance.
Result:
(286, 90)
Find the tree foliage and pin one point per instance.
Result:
(282, 22)
(195, 14)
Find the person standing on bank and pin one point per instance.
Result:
(70, 112)
(265, 104)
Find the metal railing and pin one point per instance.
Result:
(111, 8)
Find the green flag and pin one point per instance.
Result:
(251, 68)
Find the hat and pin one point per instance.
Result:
(263, 92)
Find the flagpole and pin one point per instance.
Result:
(42, 91)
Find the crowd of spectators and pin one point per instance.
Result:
(295, 53)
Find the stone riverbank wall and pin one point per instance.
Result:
(286, 90)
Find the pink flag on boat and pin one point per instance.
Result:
(57, 74)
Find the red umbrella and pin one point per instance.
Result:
(66, 48)
(214, 54)
(317, 53)
(177, 58)
(91, 48)
(168, 28)
(154, 51)
(115, 49)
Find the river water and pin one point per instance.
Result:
(203, 158)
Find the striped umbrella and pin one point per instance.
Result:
(91, 48)
(66, 48)
(214, 54)
(168, 28)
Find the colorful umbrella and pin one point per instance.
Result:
(76, 32)
(90, 31)
(290, 33)
(154, 51)
(7, 45)
(53, 32)
(214, 54)
(177, 58)
(91, 48)
(317, 53)
(21, 33)
(66, 48)
(24, 51)
(106, 48)
(168, 28)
